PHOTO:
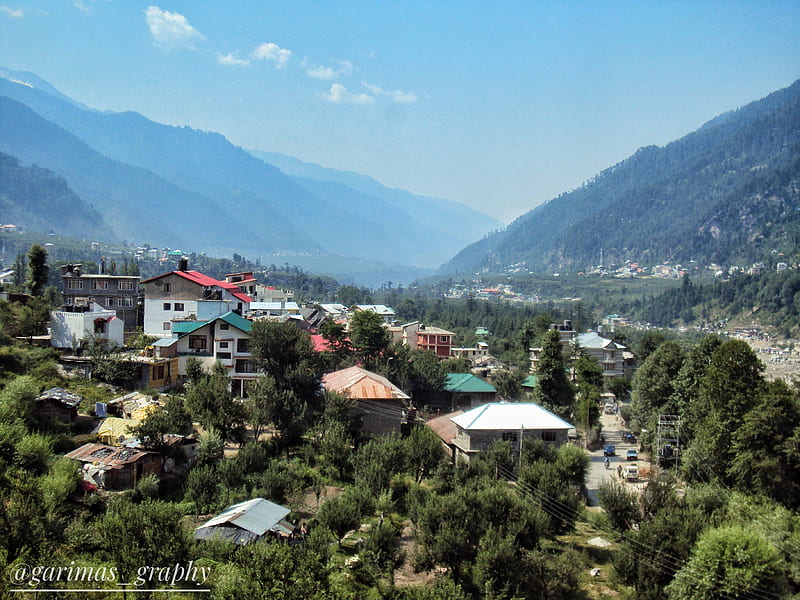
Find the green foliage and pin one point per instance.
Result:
(212, 404)
(423, 452)
(339, 515)
(37, 270)
(509, 384)
(368, 336)
(621, 505)
(34, 453)
(554, 389)
(729, 561)
(653, 386)
(202, 488)
(17, 400)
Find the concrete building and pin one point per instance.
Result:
(119, 293)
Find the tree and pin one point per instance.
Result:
(653, 386)
(339, 515)
(508, 384)
(33, 317)
(269, 403)
(369, 337)
(172, 419)
(423, 450)
(37, 270)
(729, 562)
(647, 344)
(212, 404)
(339, 351)
(554, 389)
(588, 370)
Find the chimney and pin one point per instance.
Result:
(183, 264)
(103, 266)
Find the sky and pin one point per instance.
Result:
(496, 104)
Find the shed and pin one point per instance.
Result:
(115, 468)
(247, 521)
(57, 405)
(465, 390)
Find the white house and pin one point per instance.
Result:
(69, 328)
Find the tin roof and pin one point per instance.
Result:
(467, 382)
(107, 456)
(60, 395)
(256, 516)
(508, 416)
(360, 384)
(206, 281)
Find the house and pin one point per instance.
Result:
(57, 405)
(224, 339)
(517, 422)
(385, 312)
(465, 390)
(257, 291)
(273, 309)
(610, 354)
(115, 468)
(422, 337)
(185, 295)
(335, 312)
(480, 350)
(379, 402)
(75, 324)
(119, 293)
(246, 522)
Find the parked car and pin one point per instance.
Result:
(629, 437)
(632, 454)
(609, 450)
(631, 473)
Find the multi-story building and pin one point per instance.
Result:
(185, 295)
(119, 293)
(417, 336)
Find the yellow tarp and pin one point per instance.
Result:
(113, 430)
(145, 411)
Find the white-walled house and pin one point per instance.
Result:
(187, 296)
(69, 327)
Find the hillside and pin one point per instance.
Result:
(274, 213)
(37, 199)
(726, 193)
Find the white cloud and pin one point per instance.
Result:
(171, 30)
(231, 59)
(340, 95)
(322, 73)
(14, 13)
(345, 67)
(269, 51)
(397, 96)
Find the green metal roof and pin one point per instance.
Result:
(238, 321)
(184, 327)
(467, 382)
(530, 381)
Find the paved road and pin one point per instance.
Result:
(597, 470)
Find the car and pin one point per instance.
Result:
(632, 454)
(609, 451)
(629, 437)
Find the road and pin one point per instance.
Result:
(597, 471)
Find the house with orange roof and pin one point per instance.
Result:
(381, 405)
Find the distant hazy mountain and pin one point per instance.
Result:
(220, 197)
(39, 200)
(434, 213)
(727, 193)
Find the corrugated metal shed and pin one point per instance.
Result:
(252, 518)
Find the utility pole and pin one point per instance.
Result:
(668, 439)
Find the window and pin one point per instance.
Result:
(243, 346)
(223, 344)
(510, 436)
(126, 301)
(167, 326)
(124, 285)
(72, 284)
(158, 372)
(167, 288)
(224, 355)
(179, 306)
(224, 326)
(110, 301)
(100, 285)
(549, 436)
(244, 366)
(99, 326)
(167, 306)
(197, 342)
(444, 338)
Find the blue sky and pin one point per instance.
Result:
(499, 105)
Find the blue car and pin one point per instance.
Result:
(609, 450)
(632, 454)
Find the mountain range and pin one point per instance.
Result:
(183, 188)
(728, 193)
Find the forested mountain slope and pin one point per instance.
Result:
(725, 193)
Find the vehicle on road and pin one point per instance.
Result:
(632, 454)
(629, 437)
(631, 472)
(609, 450)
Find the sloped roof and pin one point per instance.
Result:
(256, 516)
(509, 416)
(360, 384)
(238, 321)
(381, 309)
(206, 281)
(530, 381)
(184, 327)
(444, 427)
(60, 395)
(467, 382)
(108, 456)
(595, 340)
